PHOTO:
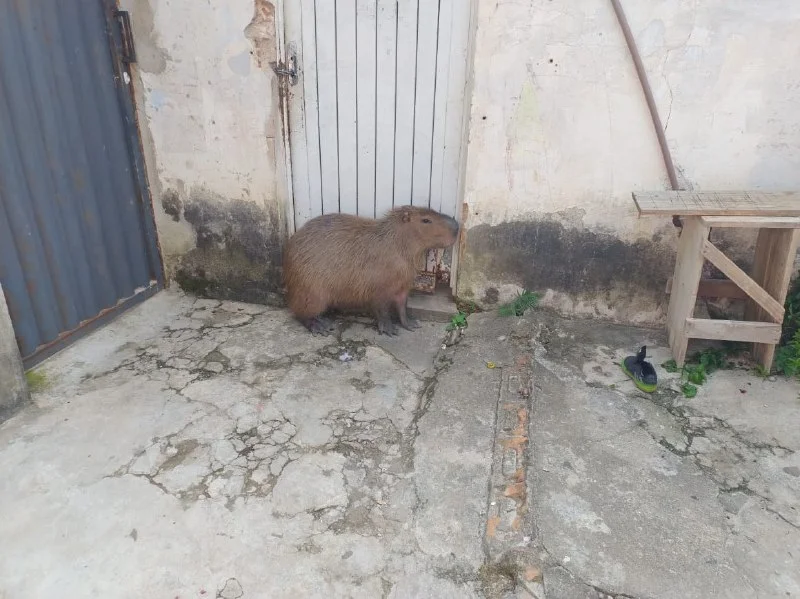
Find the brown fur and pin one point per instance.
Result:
(345, 261)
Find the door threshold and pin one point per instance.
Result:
(438, 306)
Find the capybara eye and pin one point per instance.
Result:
(426, 220)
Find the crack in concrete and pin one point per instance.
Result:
(684, 415)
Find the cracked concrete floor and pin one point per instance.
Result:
(660, 496)
(200, 448)
(196, 448)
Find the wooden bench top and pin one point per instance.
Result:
(717, 203)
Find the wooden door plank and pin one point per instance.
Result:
(405, 99)
(385, 99)
(347, 105)
(297, 121)
(307, 56)
(688, 268)
(455, 138)
(440, 102)
(733, 330)
(772, 270)
(718, 203)
(366, 43)
(328, 104)
(427, 32)
(738, 276)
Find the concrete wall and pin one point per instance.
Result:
(209, 115)
(13, 385)
(560, 136)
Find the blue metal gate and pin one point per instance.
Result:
(77, 236)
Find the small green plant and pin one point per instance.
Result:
(760, 371)
(670, 366)
(787, 358)
(519, 305)
(457, 321)
(37, 381)
(696, 374)
(698, 367)
(712, 359)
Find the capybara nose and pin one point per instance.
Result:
(453, 225)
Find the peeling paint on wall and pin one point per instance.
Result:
(151, 57)
(261, 33)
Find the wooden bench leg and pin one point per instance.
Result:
(772, 270)
(685, 282)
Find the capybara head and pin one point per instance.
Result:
(430, 229)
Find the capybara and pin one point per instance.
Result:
(349, 262)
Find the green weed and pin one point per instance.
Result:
(787, 356)
(699, 366)
(457, 321)
(519, 305)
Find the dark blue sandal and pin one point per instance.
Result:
(642, 373)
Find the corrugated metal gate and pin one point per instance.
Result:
(77, 241)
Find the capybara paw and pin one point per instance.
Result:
(320, 326)
(386, 327)
(411, 324)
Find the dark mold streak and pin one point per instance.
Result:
(239, 250)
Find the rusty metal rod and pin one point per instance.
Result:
(651, 103)
(648, 94)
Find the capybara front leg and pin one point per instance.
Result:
(407, 322)
(319, 325)
(384, 320)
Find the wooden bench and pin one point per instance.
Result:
(776, 216)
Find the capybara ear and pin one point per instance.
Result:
(406, 216)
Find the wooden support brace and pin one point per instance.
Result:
(738, 276)
(733, 330)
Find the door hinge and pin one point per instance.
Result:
(288, 68)
(128, 48)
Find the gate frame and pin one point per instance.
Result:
(123, 83)
(285, 161)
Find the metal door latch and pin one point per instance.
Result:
(128, 48)
(287, 69)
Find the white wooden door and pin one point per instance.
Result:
(378, 113)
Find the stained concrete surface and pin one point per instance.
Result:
(13, 386)
(639, 495)
(202, 448)
(198, 448)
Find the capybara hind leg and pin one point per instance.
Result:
(308, 308)
(384, 320)
(407, 322)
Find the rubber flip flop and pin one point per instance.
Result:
(641, 373)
